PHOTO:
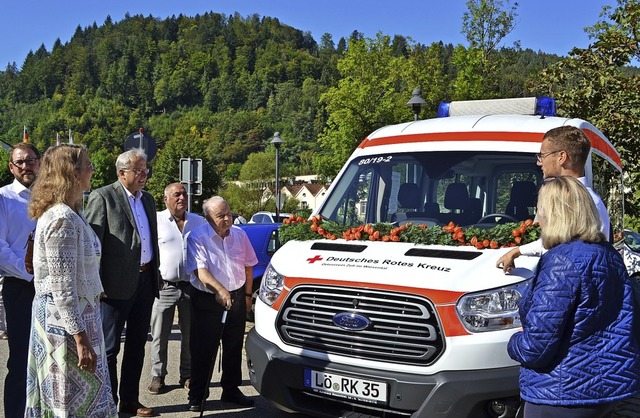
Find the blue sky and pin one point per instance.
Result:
(554, 26)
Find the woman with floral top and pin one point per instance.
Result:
(67, 372)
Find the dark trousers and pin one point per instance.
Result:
(588, 411)
(136, 314)
(17, 295)
(206, 316)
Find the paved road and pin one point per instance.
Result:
(173, 402)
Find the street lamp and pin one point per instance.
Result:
(277, 141)
(416, 102)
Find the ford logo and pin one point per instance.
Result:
(351, 321)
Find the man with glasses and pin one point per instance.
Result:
(563, 152)
(17, 289)
(124, 218)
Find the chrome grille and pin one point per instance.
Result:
(403, 328)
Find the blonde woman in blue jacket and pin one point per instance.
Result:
(577, 348)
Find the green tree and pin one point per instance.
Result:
(166, 169)
(487, 22)
(594, 84)
(243, 199)
(370, 94)
(104, 162)
(5, 175)
(259, 166)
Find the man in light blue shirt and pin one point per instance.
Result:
(17, 289)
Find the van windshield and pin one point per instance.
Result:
(466, 187)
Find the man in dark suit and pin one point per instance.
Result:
(124, 218)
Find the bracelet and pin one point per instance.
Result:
(249, 295)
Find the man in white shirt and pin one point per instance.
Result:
(174, 223)
(17, 289)
(564, 152)
(221, 258)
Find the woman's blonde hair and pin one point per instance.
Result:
(569, 212)
(57, 181)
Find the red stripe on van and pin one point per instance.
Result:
(603, 146)
(454, 137)
(597, 141)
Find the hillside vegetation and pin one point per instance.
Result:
(218, 87)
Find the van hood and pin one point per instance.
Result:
(439, 267)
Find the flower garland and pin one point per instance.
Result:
(500, 236)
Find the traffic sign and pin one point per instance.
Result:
(144, 141)
(190, 170)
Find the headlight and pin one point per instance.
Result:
(492, 310)
(271, 286)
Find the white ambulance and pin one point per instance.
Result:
(396, 329)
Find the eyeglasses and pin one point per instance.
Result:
(90, 166)
(26, 161)
(138, 171)
(541, 156)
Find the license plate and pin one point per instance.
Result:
(346, 387)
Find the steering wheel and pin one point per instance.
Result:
(504, 218)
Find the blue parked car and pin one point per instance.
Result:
(264, 240)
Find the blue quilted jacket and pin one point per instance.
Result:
(577, 345)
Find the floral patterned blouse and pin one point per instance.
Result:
(66, 262)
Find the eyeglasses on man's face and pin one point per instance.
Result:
(542, 155)
(138, 171)
(25, 162)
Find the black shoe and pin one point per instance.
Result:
(195, 407)
(236, 397)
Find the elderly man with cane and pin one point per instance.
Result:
(221, 259)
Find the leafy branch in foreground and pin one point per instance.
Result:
(500, 236)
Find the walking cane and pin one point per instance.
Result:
(213, 362)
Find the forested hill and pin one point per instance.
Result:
(217, 87)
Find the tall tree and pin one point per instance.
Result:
(595, 84)
(366, 98)
(487, 22)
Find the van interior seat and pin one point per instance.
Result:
(409, 197)
(524, 195)
(456, 199)
(431, 209)
(474, 210)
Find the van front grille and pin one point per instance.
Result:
(375, 325)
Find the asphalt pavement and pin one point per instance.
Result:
(173, 402)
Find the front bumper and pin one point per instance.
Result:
(279, 376)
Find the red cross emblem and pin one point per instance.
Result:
(314, 259)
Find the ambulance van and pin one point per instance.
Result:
(399, 329)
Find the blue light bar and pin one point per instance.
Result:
(545, 106)
(443, 109)
(542, 106)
